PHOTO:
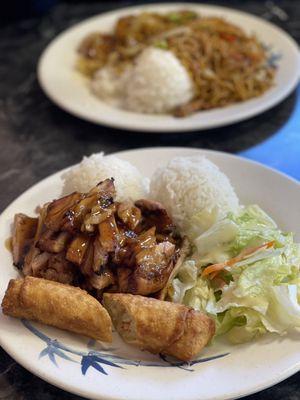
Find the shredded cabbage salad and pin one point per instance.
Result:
(245, 273)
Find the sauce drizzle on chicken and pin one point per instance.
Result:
(92, 241)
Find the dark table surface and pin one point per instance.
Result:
(38, 139)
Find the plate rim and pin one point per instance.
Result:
(82, 391)
(135, 127)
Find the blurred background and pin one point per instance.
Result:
(34, 131)
(15, 9)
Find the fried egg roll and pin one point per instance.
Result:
(59, 305)
(159, 326)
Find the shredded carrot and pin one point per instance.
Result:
(213, 270)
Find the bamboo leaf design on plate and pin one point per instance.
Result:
(52, 350)
(96, 359)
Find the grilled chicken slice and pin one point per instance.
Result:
(97, 274)
(146, 239)
(106, 190)
(77, 249)
(152, 270)
(39, 263)
(53, 267)
(33, 250)
(28, 261)
(59, 211)
(100, 256)
(68, 213)
(60, 270)
(109, 234)
(156, 215)
(101, 195)
(125, 256)
(86, 266)
(41, 223)
(96, 216)
(53, 242)
(101, 281)
(75, 216)
(129, 214)
(23, 235)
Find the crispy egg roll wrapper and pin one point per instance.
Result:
(198, 330)
(159, 326)
(59, 305)
(11, 301)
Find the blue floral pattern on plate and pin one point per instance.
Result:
(98, 359)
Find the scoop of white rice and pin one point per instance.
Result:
(129, 182)
(157, 83)
(109, 86)
(195, 192)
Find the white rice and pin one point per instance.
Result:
(109, 86)
(157, 83)
(194, 191)
(129, 182)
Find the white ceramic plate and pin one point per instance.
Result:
(222, 371)
(69, 90)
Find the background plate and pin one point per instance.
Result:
(70, 90)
